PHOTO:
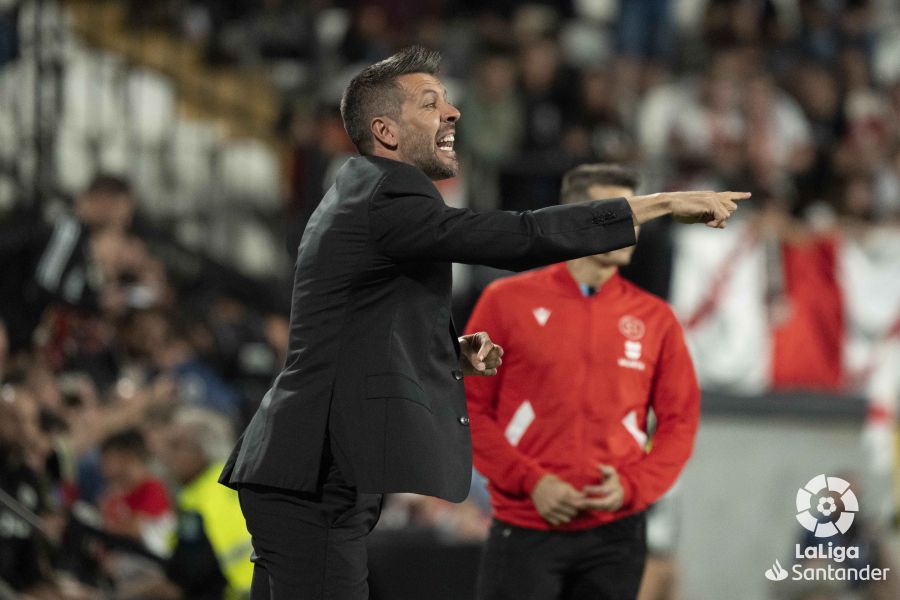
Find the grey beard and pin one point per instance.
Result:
(435, 169)
(424, 157)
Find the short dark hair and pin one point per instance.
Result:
(374, 91)
(130, 441)
(576, 182)
(111, 185)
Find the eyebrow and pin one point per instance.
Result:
(435, 92)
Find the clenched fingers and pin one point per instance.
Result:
(560, 514)
(492, 360)
(610, 502)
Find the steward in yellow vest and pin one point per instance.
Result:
(212, 543)
(211, 550)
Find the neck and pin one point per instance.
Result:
(587, 271)
(383, 152)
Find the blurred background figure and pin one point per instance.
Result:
(24, 559)
(493, 127)
(136, 503)
(211, 554)
(159, 161)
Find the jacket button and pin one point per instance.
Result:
(464, 421)
(457, 374)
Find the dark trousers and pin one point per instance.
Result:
(602, 563)
(310, 546)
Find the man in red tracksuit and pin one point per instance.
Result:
(561, 431)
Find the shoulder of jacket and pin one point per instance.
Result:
(402, 177)
(654, 302)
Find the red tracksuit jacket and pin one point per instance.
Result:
(578, 377)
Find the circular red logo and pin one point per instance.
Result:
(631, 327)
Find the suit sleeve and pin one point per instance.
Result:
(410, 222)
(675, 398)
(494, 457)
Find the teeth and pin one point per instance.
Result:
(446, 143)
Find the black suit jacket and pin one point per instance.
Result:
(374, 357)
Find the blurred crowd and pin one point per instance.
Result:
(122, 382)
(127, 363)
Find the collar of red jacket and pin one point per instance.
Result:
(562, 277)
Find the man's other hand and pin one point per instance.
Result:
(478, 355)
(556, 501)
(609, 494)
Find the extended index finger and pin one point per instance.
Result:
(735, 196)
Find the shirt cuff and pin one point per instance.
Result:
(532, 476)
(614, 210)
(616, 219)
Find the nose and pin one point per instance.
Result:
(452, 114)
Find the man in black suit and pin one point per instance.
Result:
(371, 397)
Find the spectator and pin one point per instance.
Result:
(319, 148)
(276, 30)
(646, 30)
(106, 203)
(887, 189)
(90, 418)
(545, 97)
(155, 336)
(491, 132)
(599, 112)
(779, 141)
(136, 503)
(211, 557)
(816, 89)
(369, 37)
(818, 35)
(41, 265)
(711, 116)
(25, 561)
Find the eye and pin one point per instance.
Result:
(431, 105)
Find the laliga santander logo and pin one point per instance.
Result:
(826, 497)
(826, 506)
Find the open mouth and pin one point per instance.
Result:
(445, 143)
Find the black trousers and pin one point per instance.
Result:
(310, 546)
(602, 563)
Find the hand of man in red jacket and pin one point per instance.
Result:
(609, 494)
(478, 355)
(555, 500)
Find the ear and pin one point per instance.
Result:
(384, 129)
